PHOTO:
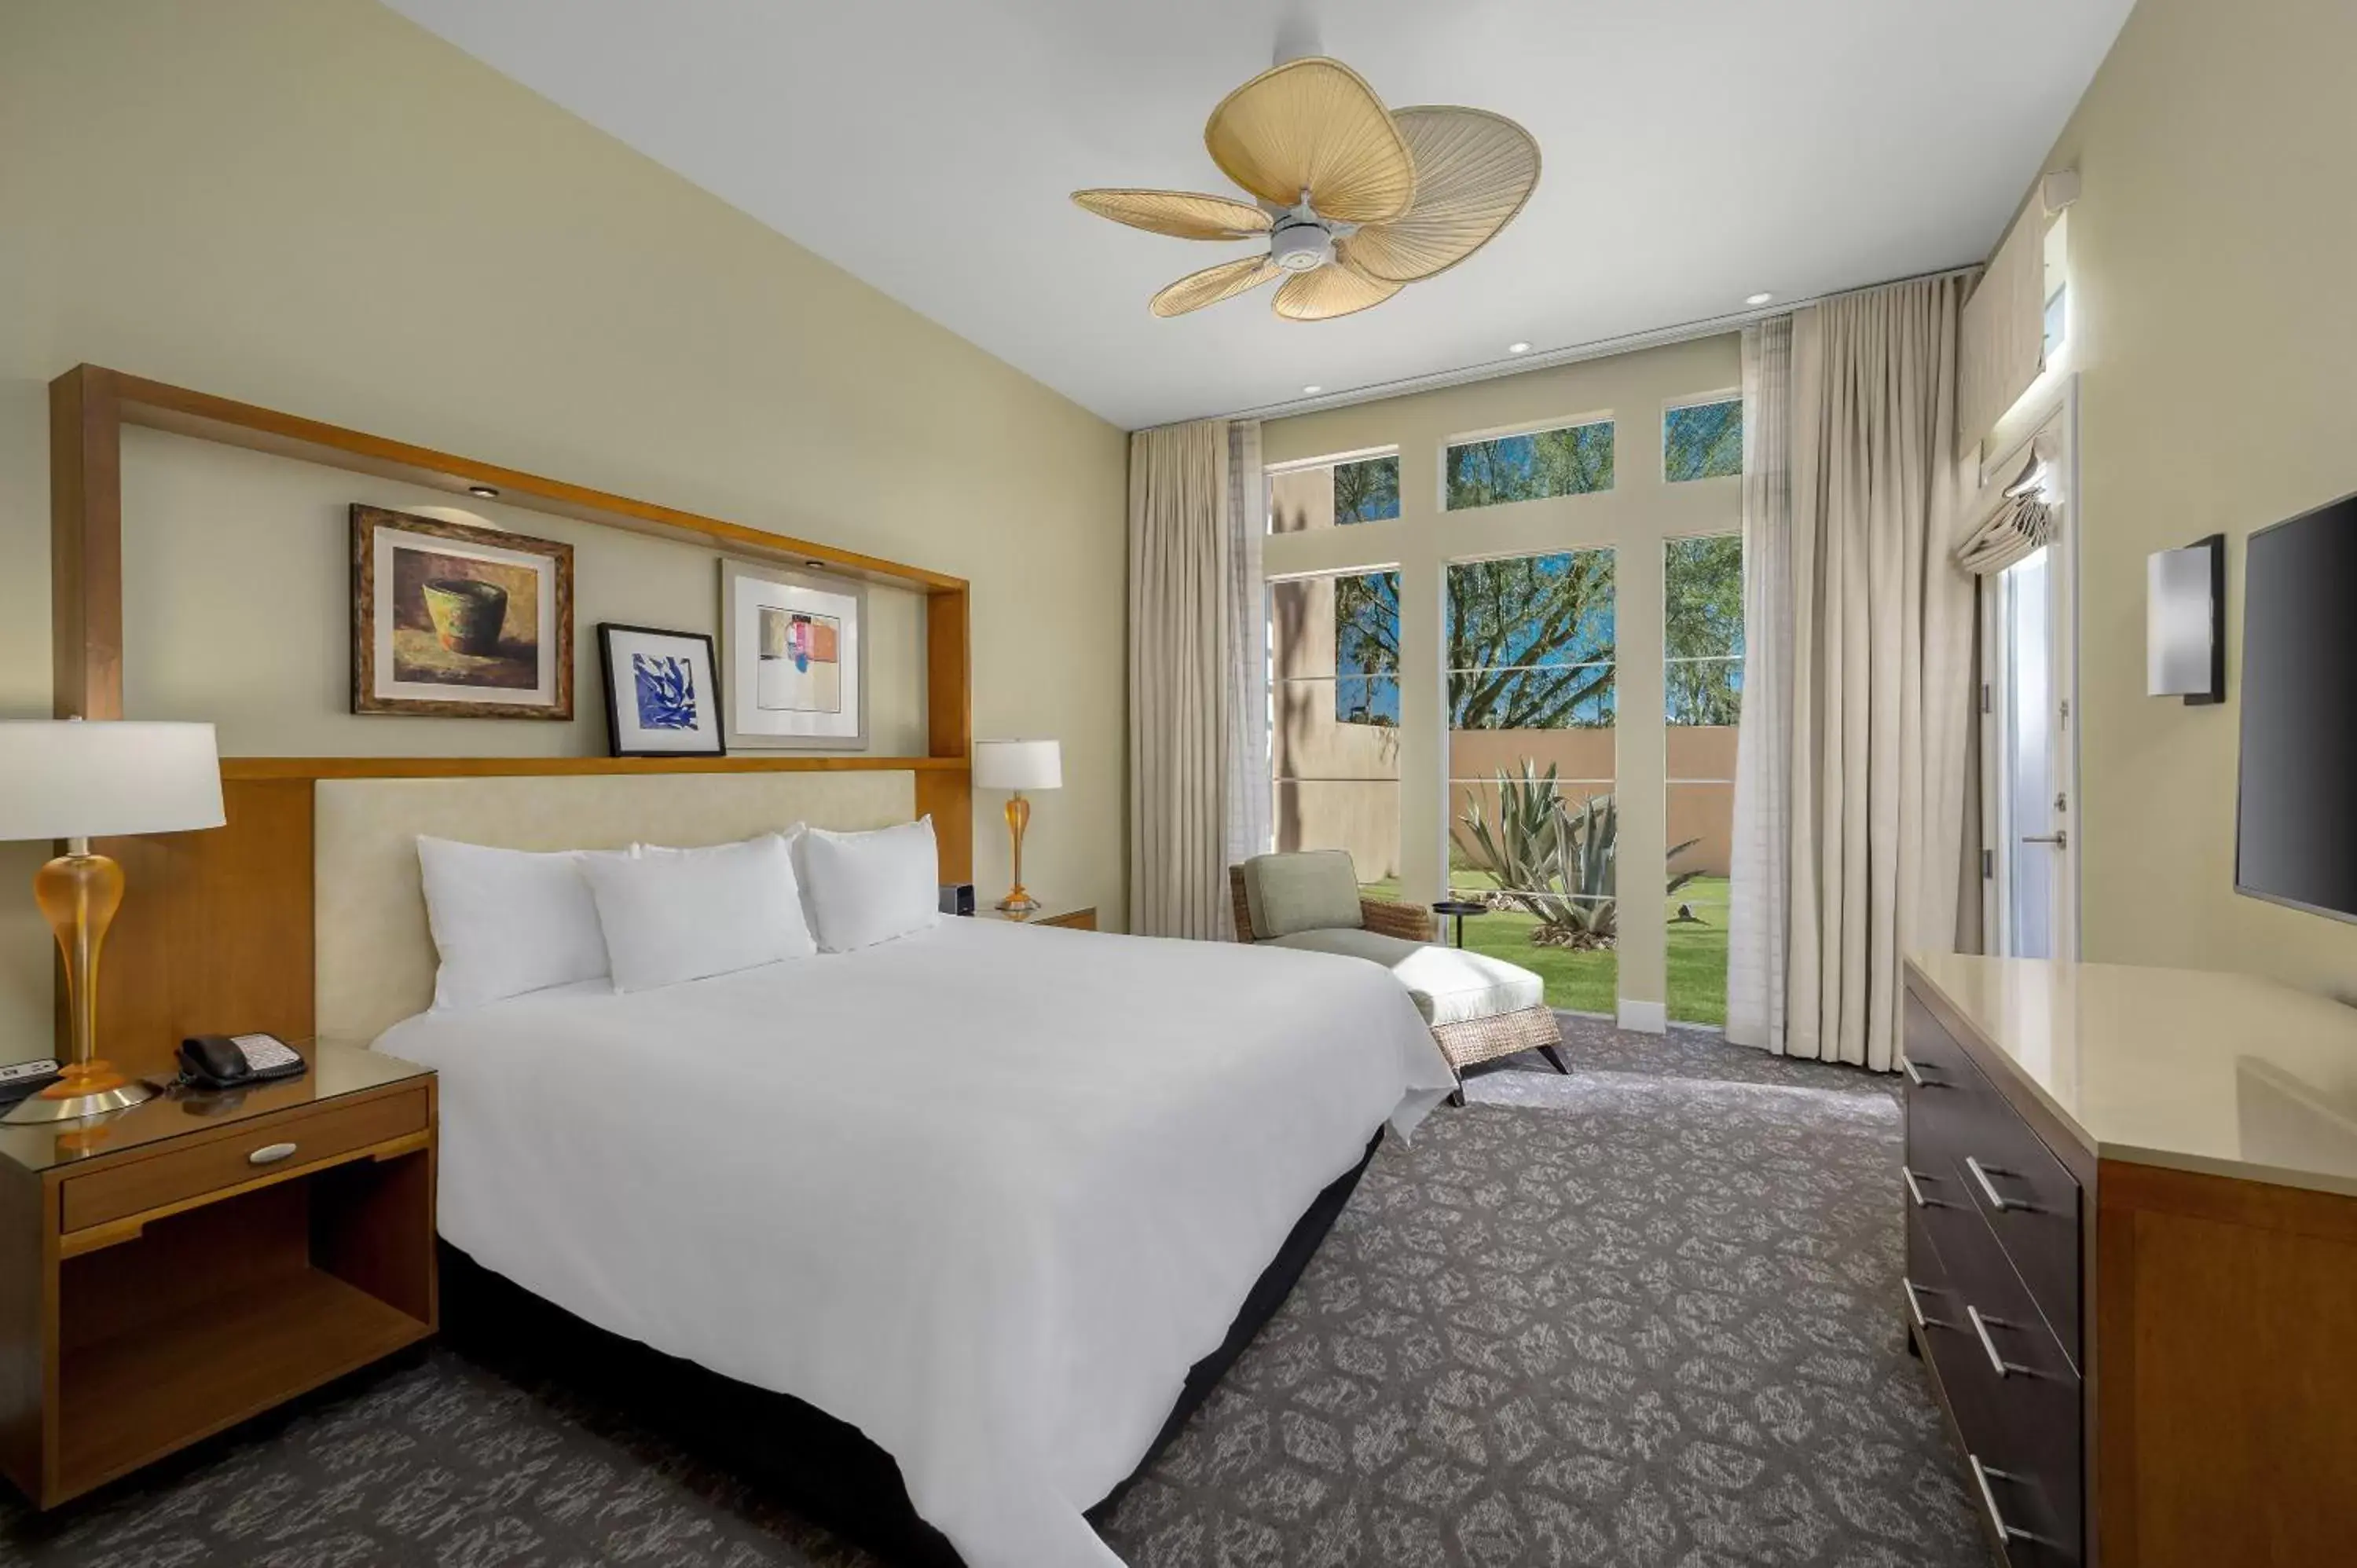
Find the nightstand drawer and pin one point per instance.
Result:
(308, 1138)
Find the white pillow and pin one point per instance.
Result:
(870, 887)
(506, 921)
(673, 915)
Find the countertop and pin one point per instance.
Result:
(2226, 1074)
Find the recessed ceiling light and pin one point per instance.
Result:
(1518, 348)
(1760, 298)
(1311, 391)
(487, 492)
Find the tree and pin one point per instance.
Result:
(1366, 648)
(1702, 441)
(1569, 462)
(1367, 490)
(1704, 630)
(1530, 642)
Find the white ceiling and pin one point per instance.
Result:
(1695, 153)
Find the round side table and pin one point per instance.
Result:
(1459, 908)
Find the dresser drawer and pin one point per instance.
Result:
(2015, 1396)
(317, 1134)
(1966, 1145)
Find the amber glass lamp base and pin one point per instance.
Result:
(79, 893)
(1018, 817)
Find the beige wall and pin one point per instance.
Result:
(2211, 253)
(1636, 518)
(314, 205)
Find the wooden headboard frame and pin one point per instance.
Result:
(217, 929)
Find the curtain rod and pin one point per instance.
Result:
(1598, 349)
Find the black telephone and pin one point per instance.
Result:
(233, 1061)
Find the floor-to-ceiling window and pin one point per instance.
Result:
(1534, 828)
(1702, 688)
(1468, 622)
(1334, 723)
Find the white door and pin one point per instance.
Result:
(2029, 785)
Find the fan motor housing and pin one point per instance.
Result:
(1300, 246)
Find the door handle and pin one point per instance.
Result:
(2060, 838)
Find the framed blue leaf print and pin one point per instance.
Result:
(660, 698)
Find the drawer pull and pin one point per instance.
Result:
(1915, 1306)
(269, 1154)
(1981, 1474)
(1915, 1074)
(1998, 1200)
(1914, 1192)
(2005, 1368)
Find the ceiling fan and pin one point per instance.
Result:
(1356, 200)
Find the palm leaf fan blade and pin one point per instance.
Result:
(1213, 284)
(1329, 292)
(1314, 125)
(1474, 171)
(1184, 214)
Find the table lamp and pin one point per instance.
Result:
(1017, 765)
(77, 781)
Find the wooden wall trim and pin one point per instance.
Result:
(251, 768)
(85, 546)
(216, 932)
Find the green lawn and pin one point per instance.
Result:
(1589, 982)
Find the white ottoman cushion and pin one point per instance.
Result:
(1451, 985)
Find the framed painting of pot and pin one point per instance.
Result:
(797, 673)
(661, 700)
(453, 621)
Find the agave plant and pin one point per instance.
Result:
(1554, 861)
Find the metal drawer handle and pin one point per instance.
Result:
(1915, 1076)
(1915, 1306)
(1981, 1474)
(2005, 1368)
(1998, 1200)
(1914, 1192)
(269, 1154)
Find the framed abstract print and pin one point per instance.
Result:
(795, 673)
(453, 621)
(660, 698)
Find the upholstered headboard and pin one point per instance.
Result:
(375, 955)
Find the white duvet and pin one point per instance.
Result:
(985, 1193)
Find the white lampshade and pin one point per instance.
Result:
(67, 779)
(1018, 765)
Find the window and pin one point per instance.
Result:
(1573, 461)
(1530, 648)
(1334, 717)
(1702, 440)
(1325, 495)
(2056, 263)
(1367, 490)
(1702, 683)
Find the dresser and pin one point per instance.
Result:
(2131, 1202)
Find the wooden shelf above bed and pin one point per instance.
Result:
(218, 930)
(238, 769)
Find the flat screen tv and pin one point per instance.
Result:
(2296, 814)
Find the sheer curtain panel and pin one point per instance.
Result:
(1760, 871)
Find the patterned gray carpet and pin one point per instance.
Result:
(1643, 1316)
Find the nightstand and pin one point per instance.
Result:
(181, 1265)
(1071, 916)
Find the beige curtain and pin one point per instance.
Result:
(1882, 649)
(1248, 828)
(1180, 696)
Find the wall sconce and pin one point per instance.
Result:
(2185, 622)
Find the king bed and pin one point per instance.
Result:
(982, 1209)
